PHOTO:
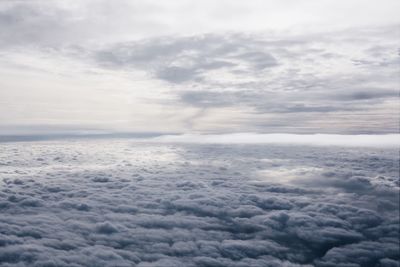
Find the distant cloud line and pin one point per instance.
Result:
(385, 140)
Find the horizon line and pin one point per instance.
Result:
(383, 140)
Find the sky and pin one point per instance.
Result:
(196, 67)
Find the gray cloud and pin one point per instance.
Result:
(33, 23)
(237, 81)
(261, 60)
(278, 83)
(36, 23)
(177, 74)
(280, 102)
(187, 59)
(114, 202)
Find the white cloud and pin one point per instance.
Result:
(185, 66)
(384, 140)
(71, 21)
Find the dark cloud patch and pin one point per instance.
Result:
(197, 205)
(43, 24)
(367, 94)
(188, 59)
(265, 101)
(207, 99)
(362, 254)
(30, 23)
(177, 74)
(261, 60)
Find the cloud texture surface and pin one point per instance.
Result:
(123, 203)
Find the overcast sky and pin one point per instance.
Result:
(227, 66)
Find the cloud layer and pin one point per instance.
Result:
(384, 141)
(134, 66)
(122, 203)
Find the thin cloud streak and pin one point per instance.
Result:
(384, 141)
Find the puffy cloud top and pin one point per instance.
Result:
(119, 203)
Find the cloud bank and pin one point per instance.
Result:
(386, 140)
(122, 203)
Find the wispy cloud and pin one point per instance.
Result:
(131, 67)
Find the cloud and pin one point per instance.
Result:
(359, 254)
(176, 74)
(389, 140)
(263, 74)
(280, 102)
(187, 59)
(59, 22)
(148, 69)
(195, 205)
